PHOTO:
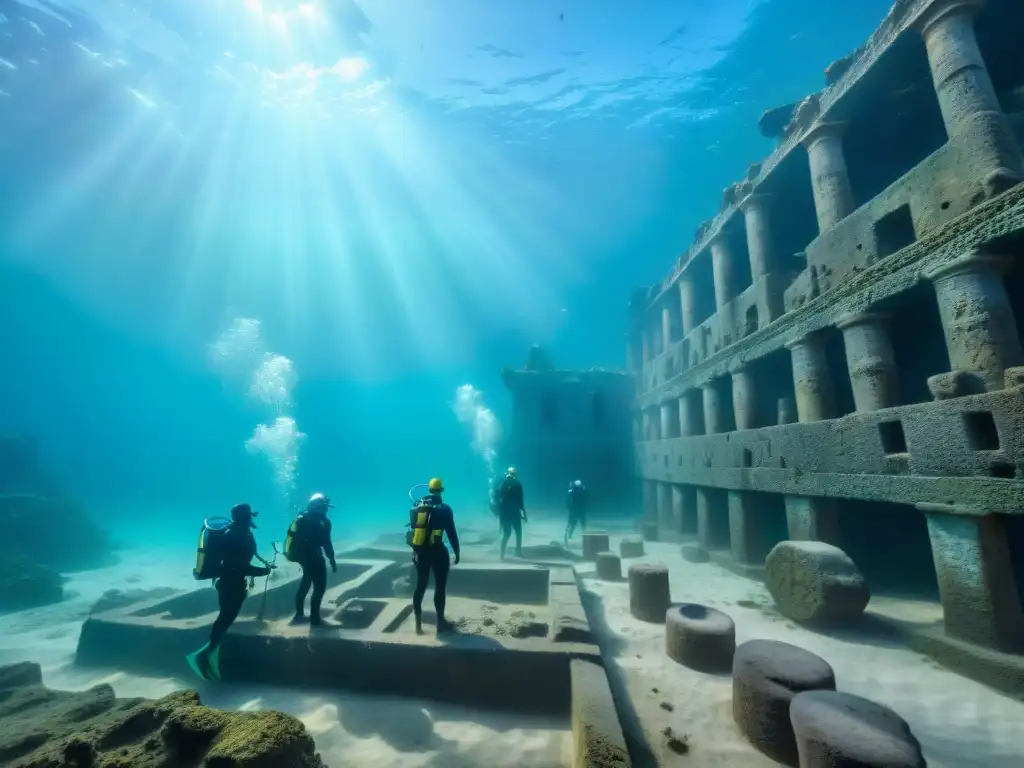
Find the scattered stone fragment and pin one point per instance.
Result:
(700, 638)
(609, 566)
(693, 553)
(766, 675)
(815, 583)
(833, 728)
(649, 596)
(632, 546)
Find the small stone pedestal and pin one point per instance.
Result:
(700, 638)
(649, 596)
(593, 544)
(632, 547)
(609, 567)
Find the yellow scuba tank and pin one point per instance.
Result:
(207, 550)
(289, 541)
(419, 521)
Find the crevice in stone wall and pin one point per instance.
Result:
(897, 124)
(891, 546)
(773, 379)
(918, 342)
(688, 523)
(999, 28)
(1015, 534)
(723, 386)
(1014, 279)
(835, 356)
(771, 520)
(794, 221)
(703, 287)
(719, 518)
(741, 256)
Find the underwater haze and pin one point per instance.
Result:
(253, 249)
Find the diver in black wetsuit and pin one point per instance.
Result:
(576, 501)
(432, 555)
(312, 541)
(234, 570)
(511, 511)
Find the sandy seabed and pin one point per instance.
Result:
(348, 729)
(960, 723)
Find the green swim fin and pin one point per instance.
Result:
(215, 663)
(201, 670)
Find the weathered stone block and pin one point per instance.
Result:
(814, 582)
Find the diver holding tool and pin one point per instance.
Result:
(430, 520)
(225, 553)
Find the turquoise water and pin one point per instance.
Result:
(385, 200)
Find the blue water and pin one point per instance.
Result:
(406, 196)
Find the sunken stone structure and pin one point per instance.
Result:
(855, 376)
(570, 425)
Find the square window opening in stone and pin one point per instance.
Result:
(748, 458)
(1003, 469)
(893, 438)
(894, 231)
(982, 434)
(750, 322)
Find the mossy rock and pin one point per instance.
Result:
(40, 728)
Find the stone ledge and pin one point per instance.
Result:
(985, 496)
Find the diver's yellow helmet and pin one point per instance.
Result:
(435, 485)
(511, 471)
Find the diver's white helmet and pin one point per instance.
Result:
(578, 484)
(318, 503)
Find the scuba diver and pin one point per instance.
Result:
(225, 554)
(576, 502)
(307, 541)
(511, 511)
(431, 519)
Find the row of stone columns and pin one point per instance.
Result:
(972, 116)
(972, 557)
(981, 338)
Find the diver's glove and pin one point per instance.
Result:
(334, 567)
(456, 558)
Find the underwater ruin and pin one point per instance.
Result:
(856, 377)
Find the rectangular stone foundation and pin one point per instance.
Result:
(376, 650)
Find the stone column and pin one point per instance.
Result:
(744, 534)
(655, 424)
(785, 410)
(830, 179)
(981, 333)
(666, 328)
(759, 243)
(723, 271)
(689, 419)
(979, 595)
(713, 421)
(646, 419)
(744, 398)
(970, 108)
(705, 506)
(870, 360)
(638, 430)
(664, 508)
(666, 421)
(812, 519)
(677, 511)
(812, 383)
(687, 304)
(645, 346)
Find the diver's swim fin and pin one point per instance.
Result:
(215, 664)
(195, 661)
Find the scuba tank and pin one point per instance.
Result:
(419, 519)
(289, 540)
(210, 538)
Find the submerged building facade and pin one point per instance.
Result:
(856, 375)
(569, 425)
